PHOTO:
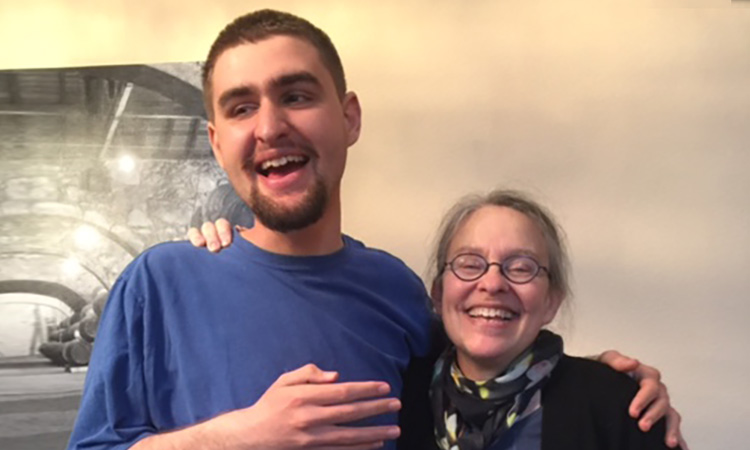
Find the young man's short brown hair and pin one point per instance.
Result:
(263, 24)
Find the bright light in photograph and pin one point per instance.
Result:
(86, 237)
(71, 267)
(126, 163)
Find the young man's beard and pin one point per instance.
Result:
(282, 219)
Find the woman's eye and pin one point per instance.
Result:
(521, 267)
(469, 264)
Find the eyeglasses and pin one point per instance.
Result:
(518, 269)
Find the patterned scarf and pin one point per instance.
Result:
(472, 415)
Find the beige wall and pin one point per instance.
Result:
(630, 120)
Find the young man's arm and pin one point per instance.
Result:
(651, 403)
(302, 409)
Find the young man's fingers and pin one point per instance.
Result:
(618, 361)
(372, 446)
(309, 373)
(350, 412)
(674, 437)
(653, 414)
(342, 393)
(208, 229)
(196, 238)
(369, 446)
(224, 230)
(650, 401)
(645, 372)
(353, 437)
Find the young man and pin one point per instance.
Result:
(238, 350)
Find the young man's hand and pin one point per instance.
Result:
(212, 235)
(305, 408)
(651, 398)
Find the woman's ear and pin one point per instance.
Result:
(554, 300)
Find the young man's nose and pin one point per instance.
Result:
(271, 122)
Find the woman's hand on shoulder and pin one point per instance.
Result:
(212, 235)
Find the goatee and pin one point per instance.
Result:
(283, 219)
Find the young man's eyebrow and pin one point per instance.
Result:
(294, 78)
(236, 92)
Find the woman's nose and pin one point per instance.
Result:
(493, 280)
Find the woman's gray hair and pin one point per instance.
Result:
(553, 235)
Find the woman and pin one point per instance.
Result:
(500, 275)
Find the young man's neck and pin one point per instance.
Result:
(321, 238)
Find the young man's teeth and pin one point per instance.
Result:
(491, 313)
(278, 162)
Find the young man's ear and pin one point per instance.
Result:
(213, 138)
(352, 116)
(436, 294)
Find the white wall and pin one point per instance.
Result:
(631, 120)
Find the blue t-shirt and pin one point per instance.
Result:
(187, 335)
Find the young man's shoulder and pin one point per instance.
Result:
(168, 258)
(378, 258)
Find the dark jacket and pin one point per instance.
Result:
(585, 408)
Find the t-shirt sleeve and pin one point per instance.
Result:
(114, 411)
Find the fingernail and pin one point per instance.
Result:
(212, 246)
(394, 432)
(384, 388)
(394, 405)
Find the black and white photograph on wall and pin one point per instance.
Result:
(98, 164)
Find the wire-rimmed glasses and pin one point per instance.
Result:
(518, 269)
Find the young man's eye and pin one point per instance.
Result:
(296, 98)
(243, 109)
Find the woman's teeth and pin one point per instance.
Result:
(492, 313)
